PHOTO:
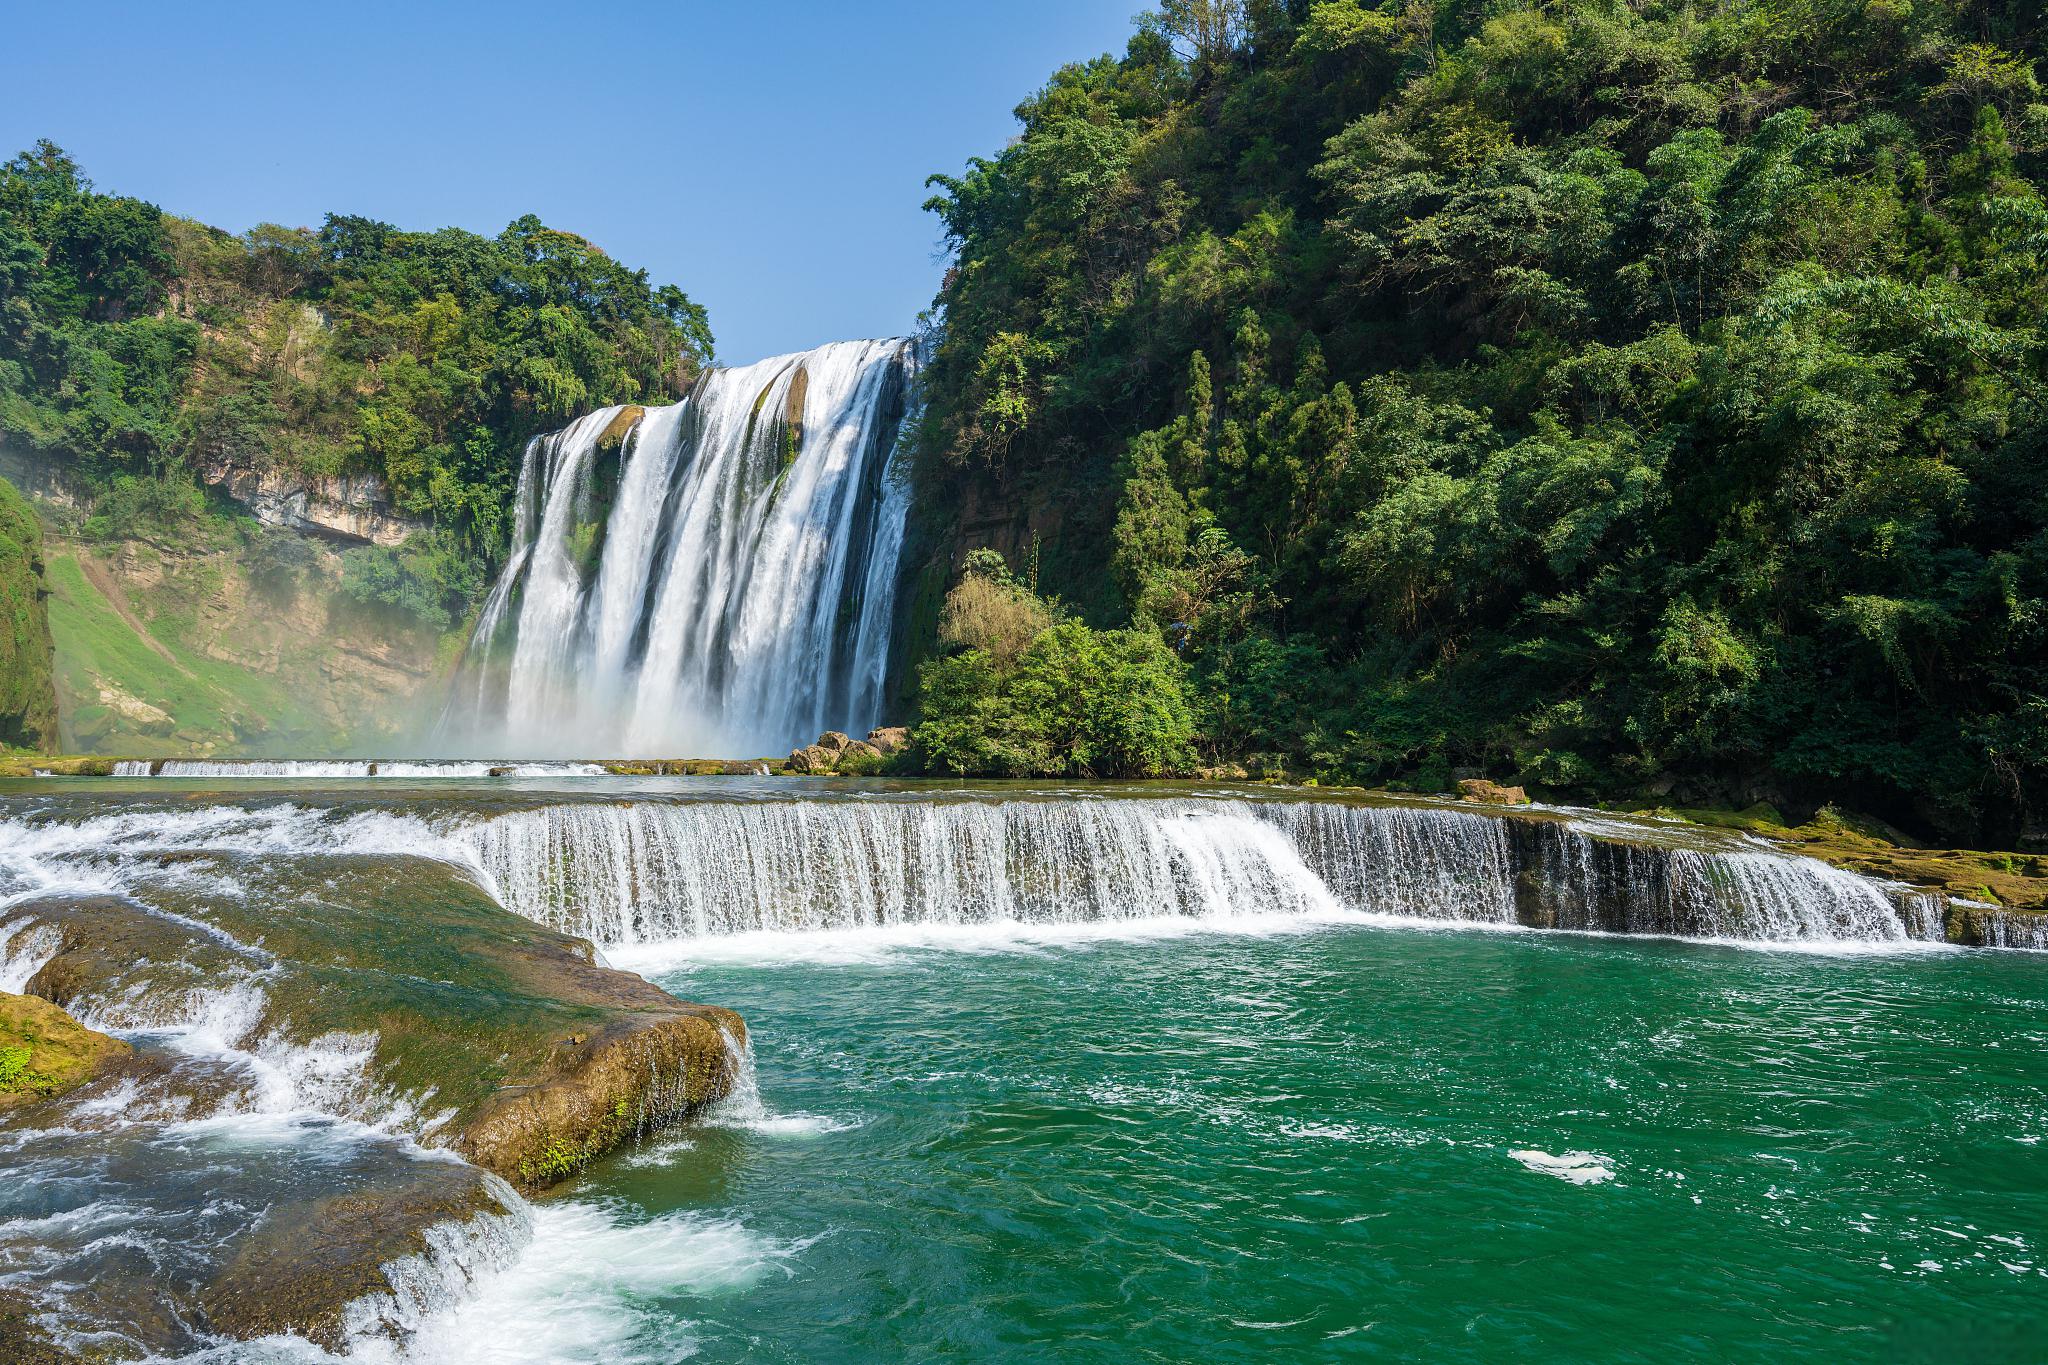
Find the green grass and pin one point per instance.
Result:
(207, 701)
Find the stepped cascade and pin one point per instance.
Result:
(715, 577)
(652, 871)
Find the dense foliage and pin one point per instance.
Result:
(28, 695)
(1635, 397)
(141, 350)
(1025, 691)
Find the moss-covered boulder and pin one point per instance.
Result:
(44, 1052)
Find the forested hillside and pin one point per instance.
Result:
(1635, 398)
(138, 349)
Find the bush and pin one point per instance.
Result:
(1071, 701)
(135, 507)
(428, 578)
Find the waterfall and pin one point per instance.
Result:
(335, 768)
(651, 871)
(715, 578)
(646, 872)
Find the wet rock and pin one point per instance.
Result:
(306, 1261)
(24, 1339)
(530, 1057)
(614, 435)
(634, 1076)
(1533, 909)
(98, 939)
(1981, 925)
(45, 1053)
(1485, 793)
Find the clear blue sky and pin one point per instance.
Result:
(769, 159)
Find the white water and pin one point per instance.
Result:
(649, 872)
(640, 872)
(725, 589)
(337, 768)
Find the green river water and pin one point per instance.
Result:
(1348, 1142)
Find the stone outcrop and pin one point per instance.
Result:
(545, 1059)
(836, 755)
(298, 1270)
(1485, 793)
(889, 739)
(351, 507)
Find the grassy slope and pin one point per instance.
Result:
(135, 686)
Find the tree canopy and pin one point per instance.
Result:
(138, 348)
(1636, 397)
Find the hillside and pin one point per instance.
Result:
(1637, 401)
(28, 700)
(278, 466)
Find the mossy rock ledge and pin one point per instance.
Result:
(45, 1053)
(518, 1050)
(1984, 898)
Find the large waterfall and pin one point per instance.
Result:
(715, 578)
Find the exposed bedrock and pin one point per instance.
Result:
(456, 1021)
(386, 990)
(321, 1267)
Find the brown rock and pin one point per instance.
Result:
(1486, 793)
(302, 1264)
(889, 738)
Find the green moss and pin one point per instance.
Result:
(153, 691)
(1859, 843)
(45, 1052)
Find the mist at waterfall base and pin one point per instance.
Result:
(1095, 1074)
(717, 583)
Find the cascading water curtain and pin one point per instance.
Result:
(714, 578)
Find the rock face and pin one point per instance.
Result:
(45, 1053)
(1486, 793)
(354, 507)
(890, 738)
(187, 651)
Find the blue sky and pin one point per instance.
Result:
(768, 159)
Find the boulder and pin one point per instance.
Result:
(44, 1052)
(832, 742)
(889, 738)
(307, 1261)
(1485, 793)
